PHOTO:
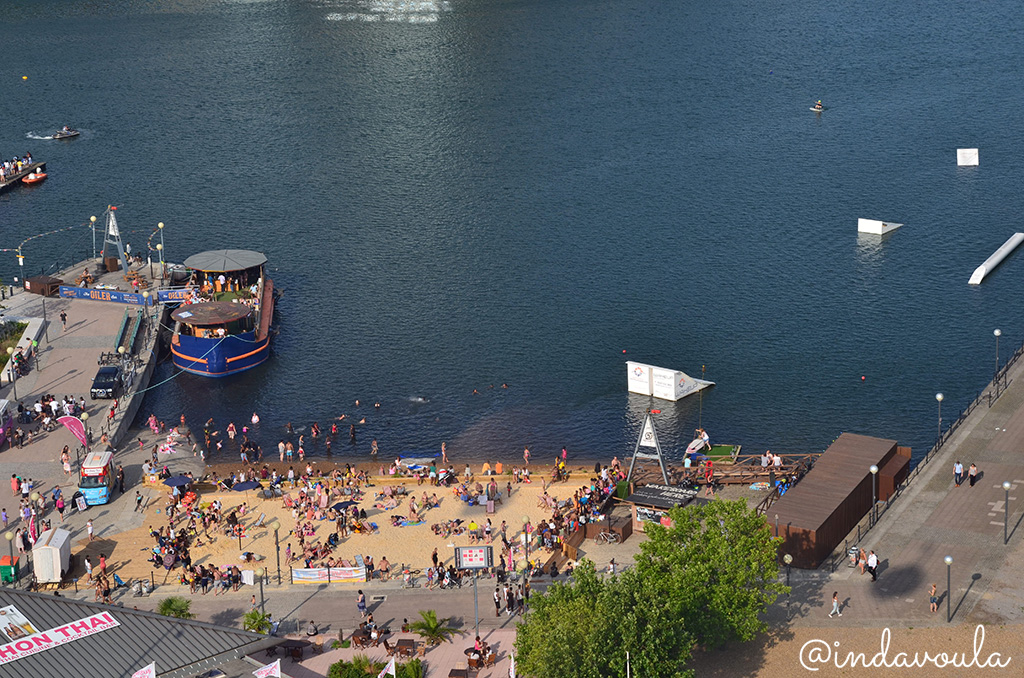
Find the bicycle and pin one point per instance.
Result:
(607, 538)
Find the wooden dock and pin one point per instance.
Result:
(15, 179)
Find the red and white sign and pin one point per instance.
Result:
(45, 640)
(272, 670)
(473, 557)
(146, 671)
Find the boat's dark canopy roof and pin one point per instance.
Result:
(180, 648)
(211, 313)
(225, 261)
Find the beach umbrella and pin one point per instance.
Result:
(342, 505)
(178, 481)
(246, 486)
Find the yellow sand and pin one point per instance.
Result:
(126, 551)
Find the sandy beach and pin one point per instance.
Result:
(126, 551)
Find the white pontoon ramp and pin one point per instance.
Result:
(874, 227)
(967, 157)
(661, 382)
(996, 259)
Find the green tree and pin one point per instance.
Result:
(257, 622)
(705, 580)
(716, 568)
(432, 629)
(176, 606)
(583, 630)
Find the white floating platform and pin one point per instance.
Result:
(997, 258)
(876, 227)
(967, 157)
(661, 382)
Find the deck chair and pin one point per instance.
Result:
(259, 523)
(374, 528)
(120, 582)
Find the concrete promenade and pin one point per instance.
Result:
(932, 519)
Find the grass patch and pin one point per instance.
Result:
(10, 338)
(720, 453)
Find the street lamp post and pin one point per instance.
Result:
(1006, 513)
(9, 536)
(92, 221)
(787, 559)
(85, 430)
(874, 493)
(526, 541)
(938, 398)
(997, 333)
(275, 526)
(160, 248)
(949, 592)
(260, 572)
(12, 374)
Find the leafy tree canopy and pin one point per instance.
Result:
(705, 580)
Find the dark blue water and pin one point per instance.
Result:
(459, 194)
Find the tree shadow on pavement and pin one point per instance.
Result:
(229, 617)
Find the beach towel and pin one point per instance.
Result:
(248, 578)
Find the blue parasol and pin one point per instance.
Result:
(178, 481)
(246, 486)
(341, 505)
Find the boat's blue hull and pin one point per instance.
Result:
(219, 357)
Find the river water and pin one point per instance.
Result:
(458, 194)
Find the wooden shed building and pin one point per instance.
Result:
(819, 512)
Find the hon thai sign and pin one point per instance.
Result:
(45, 640)
(102, 295)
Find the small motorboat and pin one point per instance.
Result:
(65, 134)
(34, 178)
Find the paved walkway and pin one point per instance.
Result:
(932, 519)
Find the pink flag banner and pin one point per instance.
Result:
(272, 670)
(75, 425)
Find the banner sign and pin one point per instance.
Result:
(390, 668)
(102, 295)
(146, 671)
(272, 670)
(174, 295)
(14, 625)
(333, 575)
(75, 425)
(60, 635)
(474, 557)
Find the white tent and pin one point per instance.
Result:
(51, 556)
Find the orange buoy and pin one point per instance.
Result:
(34, 177)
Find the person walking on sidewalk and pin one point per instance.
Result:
(972, 474)
(958, 473)
(361, 604)
(933, 599)
(138, 501)
(497, 602)
(835, 605)
(64, 320)
(88, 528)
(873, 566)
